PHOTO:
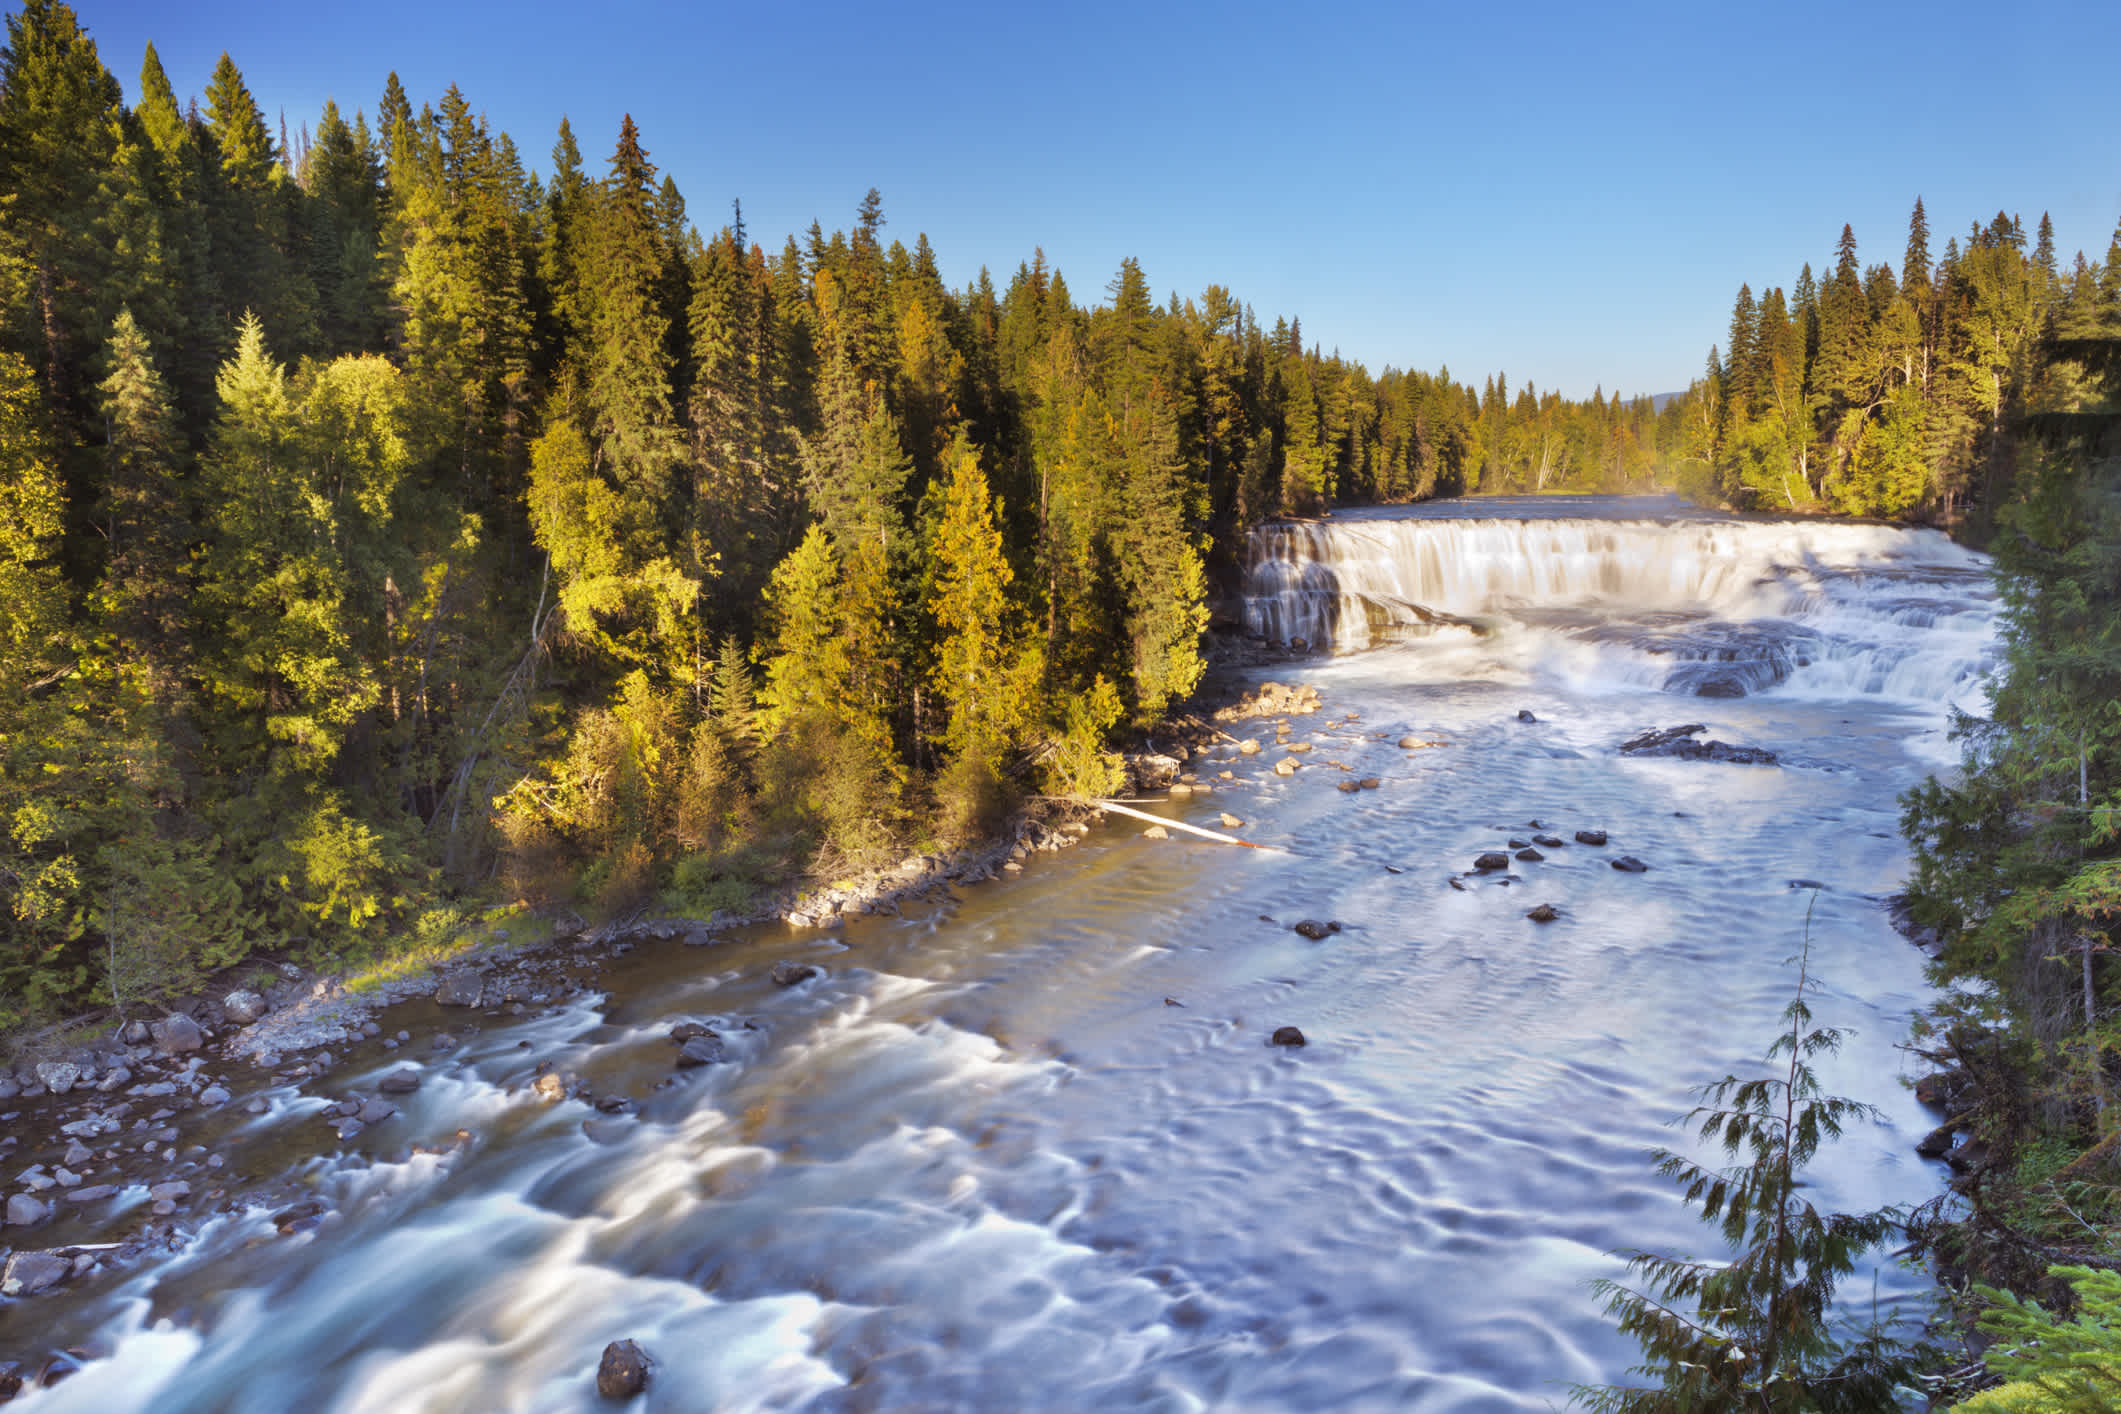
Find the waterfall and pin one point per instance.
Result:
(1692, 603)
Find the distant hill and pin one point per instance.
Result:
(1658, 400)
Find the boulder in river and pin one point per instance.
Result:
(58, 1076)
(1314, 930)
(549, 1087)
(176, 1034)
(399, 1082)
(787, 974)
(1629, 864)
(25, 1211)
(1590, 837)
(1156, 832)
(1524, 714)
(623, 1372)
(28, 1273)
(700, 1050)
(1369, 783)
(1286, 1036)
(687, 1030)
(1679, 742)
(1248, 747)
(1549, 841)
(1530, 856)
(375, 1111)
(1545, 913)
(1350, 787)
(1491, 860)
(242, 1006)
(1231, 822)
(459, 988)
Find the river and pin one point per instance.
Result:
(1031, 1150)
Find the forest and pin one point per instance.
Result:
(396, 529)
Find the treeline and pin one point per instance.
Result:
(389, 524)
(2018, 857)
(1884, 394)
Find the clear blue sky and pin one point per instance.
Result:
(1567, 192)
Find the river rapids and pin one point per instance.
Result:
(1030, 1149)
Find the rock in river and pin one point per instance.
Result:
(1491, 861)
(1629, 864)
(174, 1034)
(623, 1372)
(1590, 837)
(28, 1273)
(1314, 930)
(787, 974)
(25, 1211)
(242, 1007)
(459, 989)
(399, 1082)
(1286, 1036)
(700, 1050)
(1545, 913)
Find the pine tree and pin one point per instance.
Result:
(1757, 1330)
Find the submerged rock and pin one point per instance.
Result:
(623, 1372)
(1679, 742)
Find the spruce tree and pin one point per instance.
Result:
(628, 359)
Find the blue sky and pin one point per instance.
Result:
(1568, 193)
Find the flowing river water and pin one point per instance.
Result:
(1030, 1149)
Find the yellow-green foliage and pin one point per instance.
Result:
(1078, 763)
(2067, 1367)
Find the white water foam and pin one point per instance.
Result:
(1714, 606)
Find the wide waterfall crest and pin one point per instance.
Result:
(1693, 603)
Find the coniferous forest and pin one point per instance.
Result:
(398, 523)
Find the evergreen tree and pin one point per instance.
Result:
(628, 361)
(1757, 1330)
(147, 585)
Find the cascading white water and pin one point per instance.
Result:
(1687, 601)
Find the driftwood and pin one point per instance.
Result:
(1170, 824)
